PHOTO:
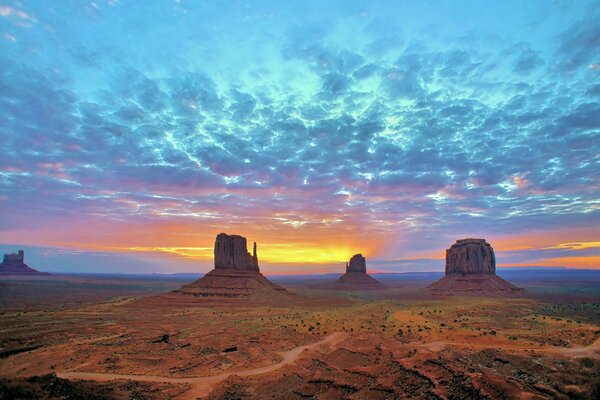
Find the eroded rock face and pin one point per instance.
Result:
(357, 264)
(231, 252)
(470, 256)
(471, 268)
(236, 275)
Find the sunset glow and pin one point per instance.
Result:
(354, 128)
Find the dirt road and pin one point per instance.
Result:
(201, 385)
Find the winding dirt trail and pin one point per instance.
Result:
(201, 385)
(591, 351)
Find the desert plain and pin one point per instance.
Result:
(125, 337)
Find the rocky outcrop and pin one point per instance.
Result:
(470, 256)
(233, 284)
(231, 252)
(357, 264)
(236, 274)
(14, 258)
(473, 283)
(356, 277)
(471, 268)
(14, 264)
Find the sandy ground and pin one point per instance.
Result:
(201, 385)
(397, 344)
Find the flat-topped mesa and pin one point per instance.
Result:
(470, 256)
(357, 264)
(231, 252)
(471, 268)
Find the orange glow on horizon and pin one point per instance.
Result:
(280, 242)
(187, 239)
(578, 239)
(575, 246)
(289, 253)
(582, 262)
(591, 262)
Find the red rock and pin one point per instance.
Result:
(230, 283)
(471, 268)
(236, 274)
(473, 283)
(231, 251)
(470, 256)
(356, 277)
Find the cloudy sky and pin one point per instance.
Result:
(133, 132)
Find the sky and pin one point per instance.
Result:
(134, 132)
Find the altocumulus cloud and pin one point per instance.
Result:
(373, 120)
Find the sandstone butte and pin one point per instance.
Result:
(471, 267)
(356, 277)
(14, 264)
(236, 273)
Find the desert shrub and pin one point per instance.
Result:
(587, 362)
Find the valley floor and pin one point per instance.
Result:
(397, 343)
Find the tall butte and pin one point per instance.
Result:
(471, 267)
(14, 264)
(356, 277)
(236, 273)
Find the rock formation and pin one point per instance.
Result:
(356, 277)
(14, 264)
(470, 256)
(357, 264)
(471, 267)
(231, 251)
(236, 274)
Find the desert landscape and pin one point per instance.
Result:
(299, 199)
(234, 334)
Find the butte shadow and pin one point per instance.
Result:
(471, 268)
(236, 274)
(14, 265)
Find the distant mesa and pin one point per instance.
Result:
(356, 277)
(357, 264)
(471, 267)
(236, 273)
(14, 264)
